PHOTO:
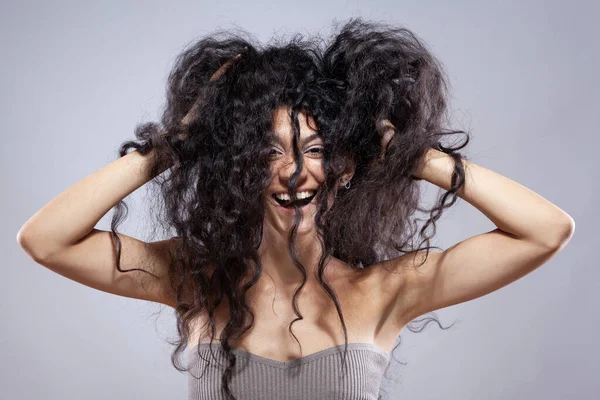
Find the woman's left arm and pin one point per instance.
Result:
(530, 231)
(512, 207)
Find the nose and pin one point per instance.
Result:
(288, 166)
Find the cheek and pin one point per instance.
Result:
(316, 169)
(331, 198)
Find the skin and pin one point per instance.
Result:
(270, 298)
(378, 303)
(278, 266)
(529, 231)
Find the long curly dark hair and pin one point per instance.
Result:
(214, 136)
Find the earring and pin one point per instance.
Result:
(347, 185)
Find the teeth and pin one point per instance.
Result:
(283, 196)
(304, 195)
(299, 196)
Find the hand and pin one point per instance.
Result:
(186, 120)
(224, 67)
(386, 130)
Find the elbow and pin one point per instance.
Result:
(569, 230)
(26, 242)
(564, 234)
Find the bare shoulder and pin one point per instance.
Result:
(399, 283)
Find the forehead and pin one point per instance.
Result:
(282, 126)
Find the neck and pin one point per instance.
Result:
(277, 262)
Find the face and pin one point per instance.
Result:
(283, 165)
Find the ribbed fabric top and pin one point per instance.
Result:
(315, 376)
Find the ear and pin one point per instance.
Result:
(350, 168)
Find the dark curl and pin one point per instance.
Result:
(214, 135)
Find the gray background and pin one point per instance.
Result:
(75, 77)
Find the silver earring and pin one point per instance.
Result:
(347, 185)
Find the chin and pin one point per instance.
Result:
(284, 219)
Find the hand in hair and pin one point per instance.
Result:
(386, 130)
(215, 76)
(186, 120)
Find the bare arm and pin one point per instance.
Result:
(73, 214)
(61, 235)
(529, 231)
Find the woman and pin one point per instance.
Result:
(290, 180)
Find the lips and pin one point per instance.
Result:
(291, 204)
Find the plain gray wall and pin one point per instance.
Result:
(76, 77)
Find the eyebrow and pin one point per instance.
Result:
(302, 141)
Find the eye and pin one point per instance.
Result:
(273, 153)
(316, 150)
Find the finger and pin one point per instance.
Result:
(188, 117)
(387, 130)
(223, 68)
(186, 120)
(383, 125)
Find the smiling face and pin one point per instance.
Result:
(283, 165)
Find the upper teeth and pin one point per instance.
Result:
(299, 196)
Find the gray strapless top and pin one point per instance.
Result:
(315, 376)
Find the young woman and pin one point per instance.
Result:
(289, 175)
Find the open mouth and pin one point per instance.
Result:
(291, 203)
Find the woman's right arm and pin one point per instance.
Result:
(62, 236)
